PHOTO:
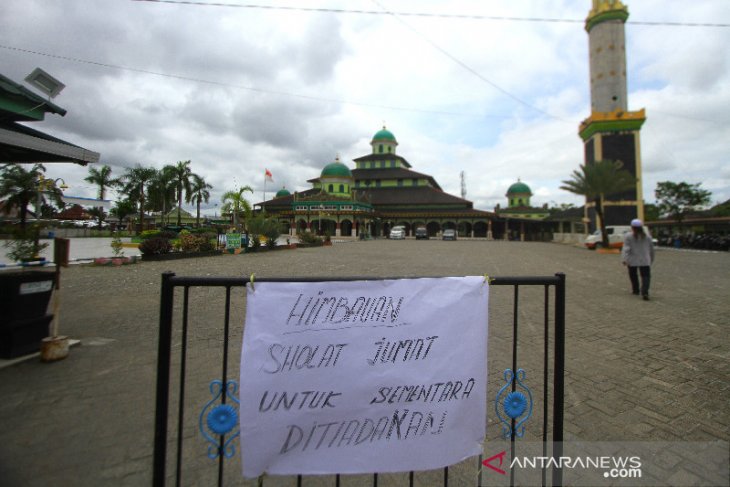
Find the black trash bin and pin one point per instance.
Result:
(24, 298)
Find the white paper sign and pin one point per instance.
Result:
(363, 376)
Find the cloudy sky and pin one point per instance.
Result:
(238, 89)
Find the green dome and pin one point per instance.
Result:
(336, 170)
(282, 192)
(385, 135)
(519, 187)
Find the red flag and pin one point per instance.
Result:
(268, 176)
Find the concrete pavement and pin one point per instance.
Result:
(635, 370)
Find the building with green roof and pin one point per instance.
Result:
(381, 192)
(518, 206)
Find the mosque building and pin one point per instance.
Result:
(518, 203)
(381, 192)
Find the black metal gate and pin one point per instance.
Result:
(175, 354)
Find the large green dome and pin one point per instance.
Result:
(283, 192)
(336, 170)
(384, 135)
(519, 187)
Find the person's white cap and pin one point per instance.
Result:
(636, 222)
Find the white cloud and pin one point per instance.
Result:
(289, 90)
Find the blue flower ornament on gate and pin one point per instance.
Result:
(514, 407)
(220, 420)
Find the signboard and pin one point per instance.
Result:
(233, 240)
(35, 287)
(363, 376)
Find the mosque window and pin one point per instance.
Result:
(389, 149)
(331, 188)
(377, 183)
(342, 188)
(400, 183)
(392, 163)
(380, 148)
(414, 182)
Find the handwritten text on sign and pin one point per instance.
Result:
(363, 376)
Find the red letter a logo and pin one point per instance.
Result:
(487, 462)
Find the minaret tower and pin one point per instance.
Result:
(612, 131)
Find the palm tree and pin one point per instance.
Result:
(199, 193)
(181, 174)
(596, 181)
(161, 192)
(135, 181)
(21, 187)
(102, 177)
(234, 202)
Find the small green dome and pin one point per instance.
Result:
(384, 135)
(336, 170)
(283, 192)
(519, 187)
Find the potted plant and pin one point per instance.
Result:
(25, 246)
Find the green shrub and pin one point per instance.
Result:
(117, 247)
(196, 243)
(146, 234)
(309, 238)
(155, 246)
(271, 233)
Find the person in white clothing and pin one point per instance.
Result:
(638, 255)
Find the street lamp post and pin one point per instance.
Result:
(44, 185)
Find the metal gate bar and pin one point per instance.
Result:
(170, 282)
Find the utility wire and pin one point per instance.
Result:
(421, 14)
(243, 87)
(467, 67)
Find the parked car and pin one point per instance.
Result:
(449, 234)
(397, 233)
(615, 237)
(421, 233)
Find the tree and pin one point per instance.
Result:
(161, 192)
(560, 208)
(122, 209)
(102, 177)
(20, 187)
(261, 224)
(651, 212)
(596, 181)
(136, 180)
(675, 200)
(199, 193)
(236, 204)
(181, 174)
(721, 209)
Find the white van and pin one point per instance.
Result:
(615, 237)
(398, 233)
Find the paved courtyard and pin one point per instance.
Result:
(635, 370)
